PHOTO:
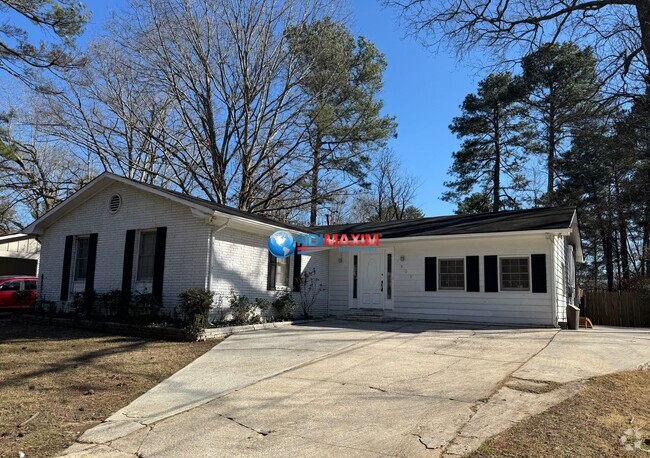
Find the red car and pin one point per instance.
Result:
(17, 292)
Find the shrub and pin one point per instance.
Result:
(82, 304)
(263, 305)
(195, 301)
(310, 288)
(144, 304)
(109, 303)
(241, 309)
(284, 305)
(45, 307)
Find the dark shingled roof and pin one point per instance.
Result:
(222, 208)
(509, 221)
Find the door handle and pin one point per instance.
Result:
(382, 286)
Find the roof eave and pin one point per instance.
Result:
(560, 231)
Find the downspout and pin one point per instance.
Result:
(551, 237)
(213, 230)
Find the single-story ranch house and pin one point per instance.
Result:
(512, 267)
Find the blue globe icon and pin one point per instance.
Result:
(281, 244)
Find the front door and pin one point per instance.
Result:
(372, 280)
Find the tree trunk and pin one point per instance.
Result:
(645, 257)
(622, 234)
(496, 204)
(313, 214)
(550, 198)
(606, 239)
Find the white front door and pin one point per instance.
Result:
(372, 280)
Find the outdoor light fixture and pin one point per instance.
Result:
(402, 258)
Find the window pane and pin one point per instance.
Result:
(514, 274)
(30, 285)
(147, 256)
(282, 272)
(81, 258)
(452, 274)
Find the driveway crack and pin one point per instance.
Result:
(261, 433)
(474, 408)
(424, 443)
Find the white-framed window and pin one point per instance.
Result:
(81, 258)
(514, 273)
(451, 274)
(146, 256)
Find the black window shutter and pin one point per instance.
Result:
(270, 279)
(90, 266)
(538, 268)
(159, 264)
(491, 267)
(430, 274)
(297, 264)
(65, 272)
(473, 284)
(127, 264)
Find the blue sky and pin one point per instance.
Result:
(423, 89)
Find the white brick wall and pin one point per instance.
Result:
(186, 250)
(240, 263)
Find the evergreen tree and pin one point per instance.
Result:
(491, 152)
(562, 88)
(344, 120)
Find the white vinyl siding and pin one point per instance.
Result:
(560, 276)
(410, 301)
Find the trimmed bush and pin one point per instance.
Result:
(195, 301)
(284, 305)
(241, 308)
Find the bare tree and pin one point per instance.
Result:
(390, 194)
(619, 30)
(204, 96)
(45, 173)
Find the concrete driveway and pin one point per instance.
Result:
(361, 389)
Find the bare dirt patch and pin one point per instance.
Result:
(606, 415)
(55, 383)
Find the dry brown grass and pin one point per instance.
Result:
(46, 371)
(589, 424)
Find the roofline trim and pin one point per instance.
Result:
(562, 231)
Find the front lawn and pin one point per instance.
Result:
(609, 416)
(56, 382)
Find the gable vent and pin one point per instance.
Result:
(115, 203)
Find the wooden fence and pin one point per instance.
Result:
(617, 309)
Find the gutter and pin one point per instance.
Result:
(565, 232)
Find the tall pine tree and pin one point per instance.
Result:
(562, 88)
(487, 168)
(344, 120)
